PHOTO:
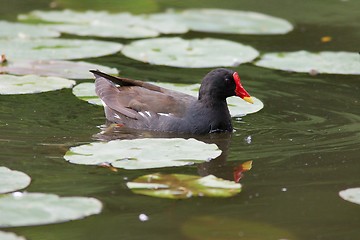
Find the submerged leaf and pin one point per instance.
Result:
(179, 186)
(351, 195)
(12, 180)
(56, 68)
(27, 209)
(237, 106)
(218, 227)
(31, 84)
(238, 171)
(195, 53)
(303, 61)
(143, 153)
(53, 49)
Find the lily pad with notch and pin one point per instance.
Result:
(180, 186)
(143, 153)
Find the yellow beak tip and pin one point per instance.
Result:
(249, 100)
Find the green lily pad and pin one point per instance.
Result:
(195, 53)
(351, 195)
(236, 22)
(237, 106)
(143, 153)
(10, 236)
(303, 61)
(20, 30)
(12, 180)
(179, 186)
(31, 84)
(28, 209)
(104, 24)
(56, 68)
(53, 49)
(221, 228)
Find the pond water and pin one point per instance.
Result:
(305, 143)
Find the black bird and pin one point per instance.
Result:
(141, 105)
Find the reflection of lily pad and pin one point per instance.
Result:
(12, 180)
(57, 68)
(10, 236)
(31, 84)
(41, 49)
(221, 228)
(143, 153)
(231, 21)
(195, 53)
(179, 186)
(237, 106)
(322, 62)
(26, 209)
(20, 30)
(351, 195)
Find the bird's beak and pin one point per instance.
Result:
(240, 90)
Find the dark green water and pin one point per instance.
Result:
(305, 143)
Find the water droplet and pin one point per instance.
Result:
(248, 139)
(284, 189)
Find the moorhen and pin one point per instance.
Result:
(141, 105)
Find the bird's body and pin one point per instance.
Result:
(142, 105)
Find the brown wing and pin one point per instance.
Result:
(133, 96)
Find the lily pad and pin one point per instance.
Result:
(10, 236)
(220, 228)
(28, 209)
(104, 24)
(143, 153)
(232, 21)
(12, 180)
(20, 30)
(237, 106)
(31, 84)
(303, 61)
(351, 195)
(53, 49)
(56, 68)
(195, 53)
(179, 186)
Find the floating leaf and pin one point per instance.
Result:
(237, 106)
(31, 84)
(143, 153)
(10, 236)
(104, 24)
(43, 49)
(232, 21)
(195, 53)
(178, 186)
(322, 62)
(27, 209)
(57, 68)
(20, 30)
(221, 228)
(351, 195)
(12, 180)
